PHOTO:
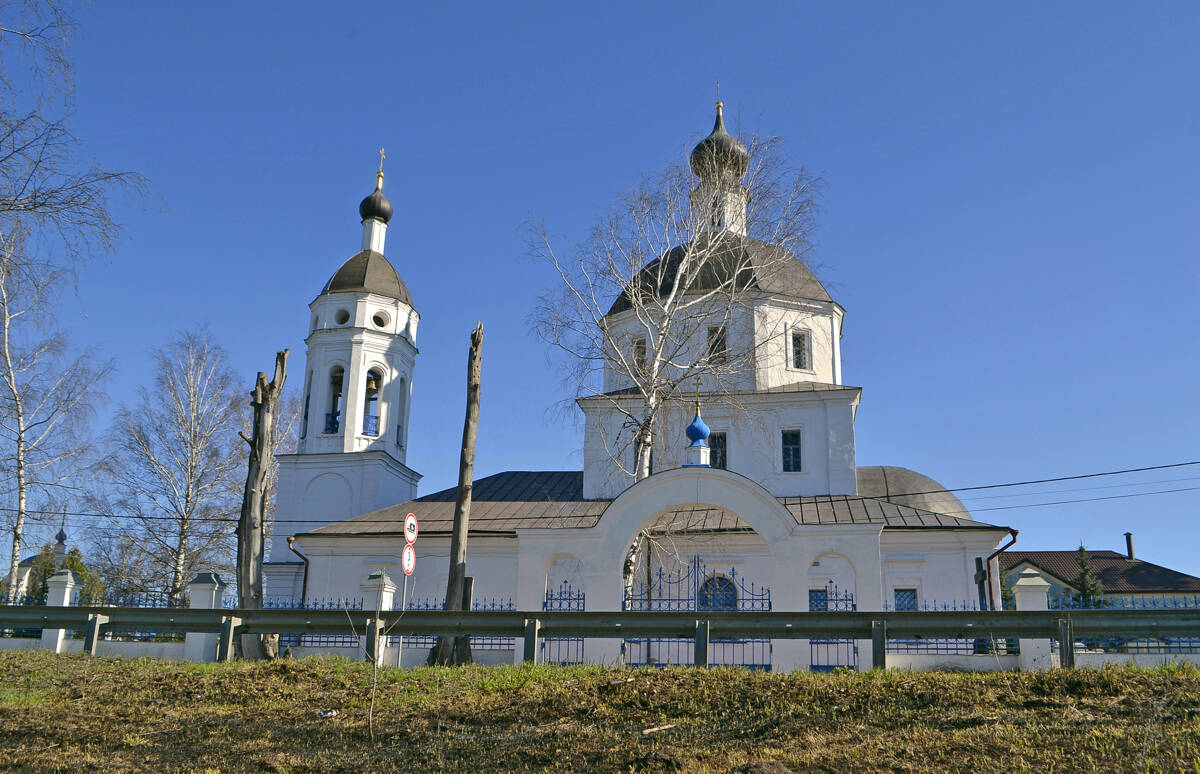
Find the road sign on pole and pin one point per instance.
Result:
(408, 559)
(410, 529)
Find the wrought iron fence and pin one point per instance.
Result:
(1134, 645)
(22, 600)
(332, 422)
(826, 655)
(563, 650)
(941, 646)
(439, 603)
(313, 603)
(370, 425)
(138, 599)
(695, 588)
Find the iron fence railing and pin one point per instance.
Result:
(477, 643)
(1133, 645)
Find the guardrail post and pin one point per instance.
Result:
(229, 626)
(59, 588)
(1066, 643)
(372, 651)
(701, 652)
(532, 628)
(879, 644)
(204, 593)
(95, 621)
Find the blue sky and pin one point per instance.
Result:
(1010, 209)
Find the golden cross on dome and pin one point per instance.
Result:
(719, 103)
(697, 394)
(382, 156)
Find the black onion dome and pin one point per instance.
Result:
(369, 271)
(720, 151)
(376, 205)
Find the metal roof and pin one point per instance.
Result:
(759, 266)
(368, 271)
(513, 500)
(1117, 573)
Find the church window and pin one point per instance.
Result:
(905, 599)
(791, 451)
(718, 455)
(802, 349)
(639, 354)
(334, 415)
(342, 317)
(717, 593)
(380, 319)
(371, 403)
(717, 345)
(818, 600)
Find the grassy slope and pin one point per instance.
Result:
(60, 712)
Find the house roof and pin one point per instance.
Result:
(506, 502)
(1117, 573)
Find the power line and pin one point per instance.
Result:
(1078, 489)
(230, 520)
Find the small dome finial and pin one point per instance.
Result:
(376, 206)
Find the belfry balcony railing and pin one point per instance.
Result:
(370, 425)
(331, 422)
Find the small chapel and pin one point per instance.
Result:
(759, 508)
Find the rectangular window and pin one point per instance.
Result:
(718, 454)
(791, 451)
(717, 345)
(801, 349)
(906, 599)
(639, 355)
(818, 600)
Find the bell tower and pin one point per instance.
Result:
(361, 352)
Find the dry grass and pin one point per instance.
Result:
(78, 714)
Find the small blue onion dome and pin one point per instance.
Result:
(697, 432)
(61, 537)
(720, 153)
(376, 205)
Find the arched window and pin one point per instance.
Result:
(371, 403)
(717, 593)
(333, 417)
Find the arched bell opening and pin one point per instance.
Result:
(337, 400)
(371, 403)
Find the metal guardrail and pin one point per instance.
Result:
(877, 626)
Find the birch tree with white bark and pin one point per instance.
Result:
(177, 459)
(48, 393)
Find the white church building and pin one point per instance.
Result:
(762, 508)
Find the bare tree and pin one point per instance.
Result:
(47, 391)
(647, 308)
(176, 457)
(43, 183)
(251, 533)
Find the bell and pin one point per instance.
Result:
(372, 385)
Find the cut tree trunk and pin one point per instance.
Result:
(457, 650)
(251, 526)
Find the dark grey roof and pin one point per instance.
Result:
(369, 271)
(1117, 573)
(523, 485)
(758, 266)
(908, 487)
(506, 502)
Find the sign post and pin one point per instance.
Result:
(408, 561)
